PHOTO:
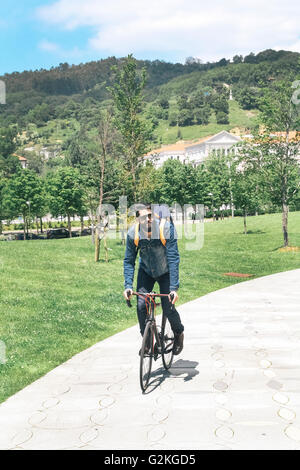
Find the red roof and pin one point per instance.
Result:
(19, 157)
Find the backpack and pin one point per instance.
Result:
(161, 232)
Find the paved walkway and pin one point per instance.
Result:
(235, 386)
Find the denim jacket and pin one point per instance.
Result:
(155, 258)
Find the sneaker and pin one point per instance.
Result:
(178, 343)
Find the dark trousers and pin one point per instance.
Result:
(145, 283)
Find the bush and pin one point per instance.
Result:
(222, 118)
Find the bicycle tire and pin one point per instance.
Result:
(146, 356)
(167, 337)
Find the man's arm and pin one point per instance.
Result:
(172, 257)
(129, 263)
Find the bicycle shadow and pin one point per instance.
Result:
(183, 369)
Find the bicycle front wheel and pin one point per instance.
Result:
(146, 356)
(167, 336)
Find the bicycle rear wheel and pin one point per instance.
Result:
(146, 356)
(167, 336)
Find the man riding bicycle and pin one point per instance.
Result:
(155, 238)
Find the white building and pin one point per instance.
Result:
(22, 160)
(223, 142)
(195, 152)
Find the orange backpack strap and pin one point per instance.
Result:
(136, 235)
(161, 231)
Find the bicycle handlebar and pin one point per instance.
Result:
(148, 294)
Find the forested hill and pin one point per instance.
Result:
(177, 94)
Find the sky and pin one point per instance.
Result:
(38, 34)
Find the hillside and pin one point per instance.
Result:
(182, 101)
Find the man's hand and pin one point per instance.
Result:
(173, 296)
(127, 294)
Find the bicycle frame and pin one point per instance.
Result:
(157, 339)
(150, 309)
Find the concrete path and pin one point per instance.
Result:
(235, 386)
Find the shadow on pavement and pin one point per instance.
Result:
(182, 369)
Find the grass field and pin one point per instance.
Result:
(237, 118)
(55, 301)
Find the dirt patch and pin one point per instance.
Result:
(287, 249)
(238, 275)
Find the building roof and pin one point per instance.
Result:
(179, 146)
(275, 137)
(20, 157)
(293, 135)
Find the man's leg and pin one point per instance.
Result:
(169, 310)
(145, 283)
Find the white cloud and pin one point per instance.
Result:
(48, 46)
(59, 51)
(209, 30)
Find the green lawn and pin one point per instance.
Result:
(55, 301)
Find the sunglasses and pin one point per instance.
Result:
(143, 218)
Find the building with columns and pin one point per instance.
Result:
(195, 152)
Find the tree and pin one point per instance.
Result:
(3, 182)
(217, 180)
(237, 59)
(248, 98)
(163, 103)
(105, 138)
(9, 163)
(35, 162)
(150, 183)
(250, 58)
(65, 193)
(127, 93)
(7, 141)
(278, 154)
(245, 183)
(202, 115)
(178, 183)
(222, 118)
(183, 102)
(223, 62)
(24, 195)
(185, 117)
(173, 118)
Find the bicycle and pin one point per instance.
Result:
(155, 343)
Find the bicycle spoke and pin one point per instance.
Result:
(168, 342)
(146, 357)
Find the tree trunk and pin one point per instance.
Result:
(245, 222)
(231, 200)
(1, 227)
(97, 245)
(81, 223)
(134, 184)
(69, 226)
(285, 211)
(24, 227)
(41, 224)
